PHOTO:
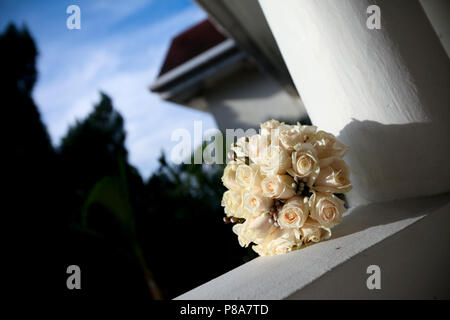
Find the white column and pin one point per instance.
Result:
(386, 92)
(438, 12)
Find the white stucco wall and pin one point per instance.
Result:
(249, 97)
(414, 264)
(438, 12)
(384, 92)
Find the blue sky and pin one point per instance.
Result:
(119, 50)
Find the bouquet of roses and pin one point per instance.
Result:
(281, 185)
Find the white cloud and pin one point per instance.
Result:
(118, 10)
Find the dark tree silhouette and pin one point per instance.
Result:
(93, 208)
(31, 204)
(28, 147)
(104, 192)
(191, 244)
(92, 149)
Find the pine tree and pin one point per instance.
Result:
(93, 147)
(28, 147)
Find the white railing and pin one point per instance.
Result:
(391, 235)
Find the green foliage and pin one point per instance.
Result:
(193, 243)
(110, 196)
(111, 193)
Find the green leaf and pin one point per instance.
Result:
(112, 195)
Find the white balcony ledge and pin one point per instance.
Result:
(408, 239)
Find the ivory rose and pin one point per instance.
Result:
(312, 231)
(240, 147)
(278, 186)
(310, 234)
(248, 177)
(254, 229)
(327, 145)
(229, 176)
(251, 147)
(274, 247)
(268, 126)
(334, 176)
(308, 132)
(279, 241)
(290, 136)
(326, 209)
(243, 238)
(305, 163)
(282, 183)
(257, 204)
(275, 160)
(256, 146)
(294, 213)
(233, 204)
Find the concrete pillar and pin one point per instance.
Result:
(385, 92)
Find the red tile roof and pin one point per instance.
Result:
(190, 43)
